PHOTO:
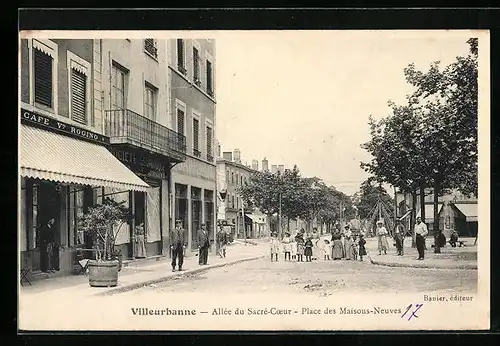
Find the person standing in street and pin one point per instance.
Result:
(420, 234)
(287, 246)
(308, 249)
(382, 233)
(361, 244)
(140, 241)
(222, 240)
(178, 244)
(399, 238)
(274, 246)
(203, 244)
(337, 250)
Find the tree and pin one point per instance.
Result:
(450, 119)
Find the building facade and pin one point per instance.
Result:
(191, 84)
(133, 80)
(230, 176)
(66, 163)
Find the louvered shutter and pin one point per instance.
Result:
(196, 131)
(150, 47)
(209, 141)
(180, 122)
(180, 54)
(78, 96)
(196, 65)
(43, 78)
(209, 78)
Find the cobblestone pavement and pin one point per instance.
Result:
(319, 278)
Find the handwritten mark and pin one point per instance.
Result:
(413, 312)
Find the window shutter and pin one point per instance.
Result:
(209, 141)
(196, 133)
(180, 55)
(196, 65)
(150, 47)
(180, 122)
(78, 96)
(43, 78)
(209, 78)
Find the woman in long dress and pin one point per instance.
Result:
(348, 243)
(300, 247)
(316, 250)
(382, 233)
(140, 241)
(337, 250)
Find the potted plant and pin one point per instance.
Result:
(104, 222)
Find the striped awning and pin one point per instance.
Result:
(469, 210)
(50, 156)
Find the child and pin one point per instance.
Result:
(327, 250)
(287, 246)
(293, 248)
(275, 246)
(300, 247)
(354, 248)
(361, 243)
(308, 249)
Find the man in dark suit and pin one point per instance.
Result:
(203, 245)
(178, 244)
(47, 246)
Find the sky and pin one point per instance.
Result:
(304, 97)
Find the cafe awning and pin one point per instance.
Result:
(469, 210)
(51, 156)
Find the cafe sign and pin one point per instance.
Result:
(51, 124)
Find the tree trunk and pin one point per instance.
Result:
(395, 206)
(422, 201)
(413, 217)
(436, 229)
(288, 224)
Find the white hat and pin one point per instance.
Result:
(380, 222)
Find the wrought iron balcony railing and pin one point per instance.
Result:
(210, 158)
(126, 126)
(196, 153)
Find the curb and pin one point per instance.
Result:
(421, 265)
(141, 284)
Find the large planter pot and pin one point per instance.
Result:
(103, 273)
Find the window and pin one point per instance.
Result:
(181, 61)
(209, 144)
(180, 121)
(232, 201)
(43, 78)
(35, 224)
(227, 176)
(241, 180)
(196, 66)
(150, 93)
(196, 132)
(232, 177)
(118, 94)
(150, 46)
(210, 89)
(78, 96)
(236, 178)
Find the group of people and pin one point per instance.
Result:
(307, 247)
(179, 243)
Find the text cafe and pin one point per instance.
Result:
(64, 170)
(151, 208)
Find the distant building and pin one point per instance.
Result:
(274, 169)
(255, 165)
(228, 156)
(281, 168)
(265, 165)
(230, 177)
(237, 155)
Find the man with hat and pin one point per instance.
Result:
(420, 234)
(203, 244)
(178, 244)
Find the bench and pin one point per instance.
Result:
(459, 242)
(24, 276)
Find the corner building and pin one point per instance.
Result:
(191, 75)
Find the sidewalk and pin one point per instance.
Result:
(449, 258)
(140, 274)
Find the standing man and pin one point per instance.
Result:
(399, 237)
(178, 244)
(47, 235)
(420, 234)
(203, 245)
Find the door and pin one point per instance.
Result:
(139, 217)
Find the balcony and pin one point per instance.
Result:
(210, 158)
(124, 126)
(196, 153)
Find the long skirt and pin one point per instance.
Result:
(383, 245)
(308, 251)
(316, 249)
(140, 247)
(300, 249)
(349, 245)
(337, 249)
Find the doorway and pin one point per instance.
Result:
(139, 217)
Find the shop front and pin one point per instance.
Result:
(150, 208)
(64, 170)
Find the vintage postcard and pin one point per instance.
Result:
(254, 180)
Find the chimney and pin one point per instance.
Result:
(265, 165)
